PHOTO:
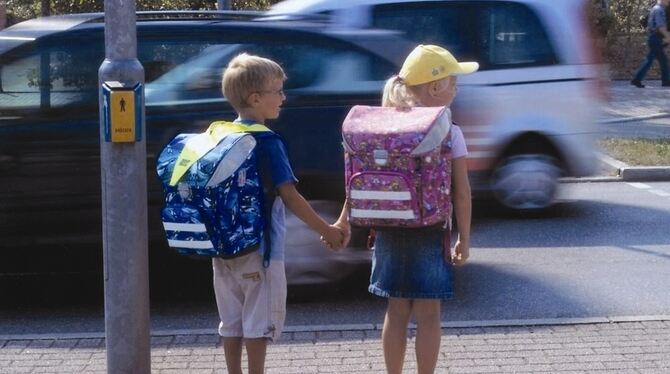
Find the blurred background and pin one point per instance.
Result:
(617, 22)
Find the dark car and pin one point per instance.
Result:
(50, 194)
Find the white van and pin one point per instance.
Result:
(529, 114)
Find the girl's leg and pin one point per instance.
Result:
(232, 349)
(428, 334)
(256, 349)
(394, 334)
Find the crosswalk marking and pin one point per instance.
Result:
(650, 189)
(641, 186)
(660, 193)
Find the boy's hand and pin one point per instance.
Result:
(461, 253)
(333, 237)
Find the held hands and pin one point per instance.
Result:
(337, 236)
(461, 253)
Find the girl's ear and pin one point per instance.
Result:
(435, 87)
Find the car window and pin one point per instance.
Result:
(496, 34)
(66, 74)
(50, 77)
(511, 35)
(159, 55)
(447, 25)
(305, 64)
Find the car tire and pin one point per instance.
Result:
(526, 182)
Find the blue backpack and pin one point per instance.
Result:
(214, 199)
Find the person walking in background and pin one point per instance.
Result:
(657, 37)
(410, 266)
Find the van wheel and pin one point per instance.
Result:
(528, 181)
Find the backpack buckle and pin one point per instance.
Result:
(381, 156)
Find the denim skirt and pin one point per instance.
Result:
(410, 264)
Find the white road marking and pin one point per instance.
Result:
(660, 193)
(641, 186)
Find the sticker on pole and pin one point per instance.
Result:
(122, 112)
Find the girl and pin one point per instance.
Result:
(408, 265)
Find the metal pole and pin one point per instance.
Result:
(124, 207)
(224, 4)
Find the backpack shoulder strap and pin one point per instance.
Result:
(219, 129)
(198, 146)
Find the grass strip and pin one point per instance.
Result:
(638, 152)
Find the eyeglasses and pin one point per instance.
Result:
(277, 92)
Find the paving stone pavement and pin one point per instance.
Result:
(627, 102)
(625, 347)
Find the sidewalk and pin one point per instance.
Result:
(629, 103)
(576, 347)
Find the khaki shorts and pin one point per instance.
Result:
(251, 299)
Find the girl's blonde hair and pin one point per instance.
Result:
(398, 95)
(246, 74)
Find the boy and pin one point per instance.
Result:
(251, 298)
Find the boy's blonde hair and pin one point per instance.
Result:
(246, 74)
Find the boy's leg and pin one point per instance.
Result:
(256, 350)
(232, 348)
(394, 334)
(264, 307)
(229, 300)
(428, 333)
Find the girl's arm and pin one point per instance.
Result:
(343, 223)
(463, 208)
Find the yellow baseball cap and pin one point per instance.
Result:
(427, 63)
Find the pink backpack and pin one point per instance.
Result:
(398, 166)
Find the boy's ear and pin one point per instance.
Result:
(253, 99)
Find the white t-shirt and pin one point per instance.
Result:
(458, 148)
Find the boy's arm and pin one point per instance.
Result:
(463, 208)
(295, 202)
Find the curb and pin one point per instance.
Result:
(633, 118)
(370, 327)
(628, 173)
(645, 173)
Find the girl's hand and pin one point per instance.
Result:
(346, 230)
(461, 253)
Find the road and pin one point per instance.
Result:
(603, 251)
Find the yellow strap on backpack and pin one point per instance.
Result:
(198, 146)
